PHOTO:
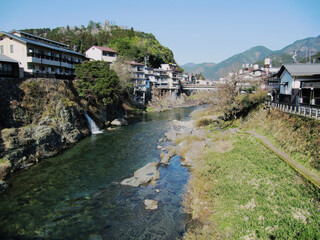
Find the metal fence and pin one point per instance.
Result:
(306, 111)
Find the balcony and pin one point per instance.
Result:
(50, 60)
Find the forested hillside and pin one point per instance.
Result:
(131, 44)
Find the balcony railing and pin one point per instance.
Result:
(52, 58)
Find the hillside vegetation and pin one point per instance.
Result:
(131, 44)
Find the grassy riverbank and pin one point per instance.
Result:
(240, 189)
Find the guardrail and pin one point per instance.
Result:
(306, 111)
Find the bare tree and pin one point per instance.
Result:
(123, 70)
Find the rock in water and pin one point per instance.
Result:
(166, 157)
(144, 175)
(150, 204)
(119, 122)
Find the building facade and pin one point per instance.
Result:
(102, 53)
(300, 84)
(37, 55)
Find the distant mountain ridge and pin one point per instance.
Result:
(256, 55)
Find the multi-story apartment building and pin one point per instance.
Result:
(145, 80)
(173, 73)
(102, 53)
(39, 55)
(141, 83)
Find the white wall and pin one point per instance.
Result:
(94, 53)
(286, 78)
(19, 50)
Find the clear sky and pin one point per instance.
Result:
(196, 31)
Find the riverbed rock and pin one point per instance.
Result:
(171, 135)
(144, 175)
(150, 204)
(166, 157)
(119, 122)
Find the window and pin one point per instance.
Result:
(1, 49)
(11, 48)
(30, 66)
(7, 68)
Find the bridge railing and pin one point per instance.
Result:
(306, 111)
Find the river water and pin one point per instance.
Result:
(77, 195)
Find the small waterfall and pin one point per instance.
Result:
(93, 126)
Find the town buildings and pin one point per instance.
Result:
(23, 54)
(102, 53)
(147, 80)
(37, 55)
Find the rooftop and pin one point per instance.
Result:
(4, 58)
(40, 44)
(301, 70)
(106, 49)
(29, 35)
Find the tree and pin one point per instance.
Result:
(96, 82)
(123, 70)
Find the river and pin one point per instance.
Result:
(77, 195)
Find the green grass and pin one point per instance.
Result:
(258, 196)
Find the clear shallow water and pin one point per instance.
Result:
(77, 195)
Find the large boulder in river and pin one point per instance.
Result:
(146, 174)
(119, 122)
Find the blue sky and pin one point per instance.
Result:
(196, 31)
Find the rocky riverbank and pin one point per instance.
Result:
(41, 117)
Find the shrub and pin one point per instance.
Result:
(97, 81)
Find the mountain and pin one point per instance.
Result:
(199, 68)
(257, 55)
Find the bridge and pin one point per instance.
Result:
(199, 87)
(188, 87)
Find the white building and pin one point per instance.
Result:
(102, 53)
(37, 55)
(173, 74)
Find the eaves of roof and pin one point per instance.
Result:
(4, 58)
